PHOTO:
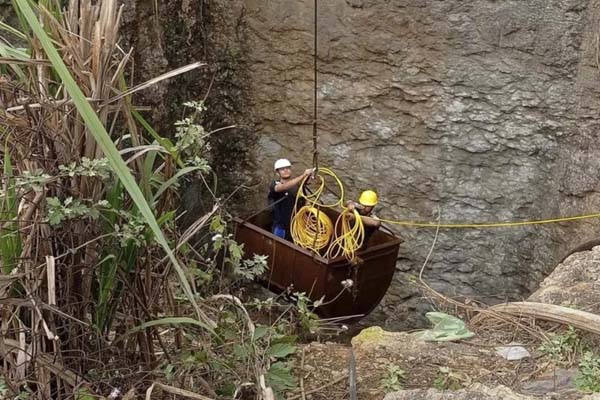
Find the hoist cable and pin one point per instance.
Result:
(315, 134)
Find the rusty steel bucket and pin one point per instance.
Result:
(304, 271)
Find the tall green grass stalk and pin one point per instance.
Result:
(109, 149)
(10, 240)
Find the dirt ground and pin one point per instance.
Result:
(322, 368)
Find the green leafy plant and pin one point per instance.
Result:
(279, 377)
(3, 388)
(32, 180)
(97, 129)
(10, 240)
(450, 380)
(588, 378)
(98, 167)
(191, 137)
(251, 268)
(564, 348)
(393, 379)
(241, 352)
(105, 181)
(309, 321)
(70, 208)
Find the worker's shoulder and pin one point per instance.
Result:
(272, 191)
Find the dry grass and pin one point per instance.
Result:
(68, 289)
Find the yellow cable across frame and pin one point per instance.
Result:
(311, 228)
(490, 224)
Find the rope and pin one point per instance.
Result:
(312, 229)
(351, 238)
(490, 224)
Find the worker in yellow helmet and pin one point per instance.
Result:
(365, 206)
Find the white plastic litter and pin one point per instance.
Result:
(512, 352)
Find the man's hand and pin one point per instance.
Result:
(350, 205)
(308, 172)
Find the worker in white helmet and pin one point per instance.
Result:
(282, 196)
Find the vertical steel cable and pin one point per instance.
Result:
(315, 150)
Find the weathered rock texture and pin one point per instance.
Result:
(484, 110)
(478, 392)
(472, 367)
(574, 283)
(180, 32)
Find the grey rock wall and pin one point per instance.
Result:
(180, 32)
(480, 110)
(483, 110)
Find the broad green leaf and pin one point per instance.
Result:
(241, 351)
(216, 224)
(280, 378)
(236, 251)
(281, 350)
(260, 331)
(84, 394)
(284, 339)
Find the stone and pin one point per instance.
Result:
(558, 381)
(476, 392)
(574, 283)
(479, 109)
(482, 392)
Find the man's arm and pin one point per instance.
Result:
(283, 186)
(369, 221)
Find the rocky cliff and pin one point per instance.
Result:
(481, 111)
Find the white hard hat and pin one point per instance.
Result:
(282, 163)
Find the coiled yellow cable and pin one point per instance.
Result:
(351, 235)
(312, 229)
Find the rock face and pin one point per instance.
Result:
(178, 33)
(479, 111)
(483, 110)
(477, 392)
(574, 283)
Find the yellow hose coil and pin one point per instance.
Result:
(312, 229)
(351, 237)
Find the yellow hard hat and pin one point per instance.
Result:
(368, 198)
